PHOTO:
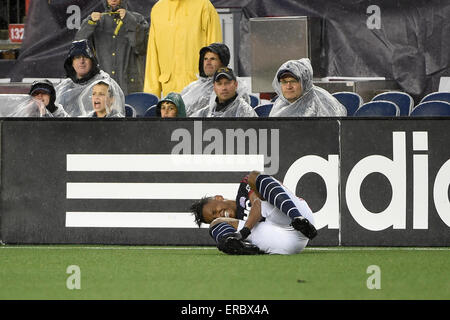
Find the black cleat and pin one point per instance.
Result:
(304, 226)
(236, 246)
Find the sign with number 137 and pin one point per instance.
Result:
(16, 32)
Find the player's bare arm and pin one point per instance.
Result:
(255, 213)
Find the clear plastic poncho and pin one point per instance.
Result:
(314, 101)
(30, 107)
(76, 98)
(238, 108)
(117, 107)
(197, 94)
(9, 103)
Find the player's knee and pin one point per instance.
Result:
(231, 221)
(252, 178)
(215, 222)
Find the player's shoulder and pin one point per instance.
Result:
(245, 179)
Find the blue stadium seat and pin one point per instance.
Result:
(378, 109)
(437, 96)
(130, 112)
(254, 100)
(141, 101)
(350, 100)
(263, 110)
(150, 112)
(403, 100)
(431, 109)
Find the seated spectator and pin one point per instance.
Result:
(82, 70)
(197, 94)
(103, 100)
(172, 106)
(298, 97)
(120, 39)
(41, 102)
(227, 102)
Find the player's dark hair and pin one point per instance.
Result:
(197, 210)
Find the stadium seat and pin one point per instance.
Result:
(437, 96)
(378, 109)
(254, 100)
(403, 100)
(263, 110)
(350, 100)
(431, 109)
(130, 112)
(150, 112)
(141, 101)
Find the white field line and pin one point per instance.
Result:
(127, 247)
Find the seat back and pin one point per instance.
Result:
(254, 100)
(263, 110)
(350, 100)
(378, 109)
(403, 100)
(150, 112)
(431, 109)
(130, 112)
(141, 101)
(437, 96)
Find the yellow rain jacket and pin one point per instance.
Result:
(178, 30)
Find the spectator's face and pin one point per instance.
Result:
(100, 99)
(211, 62)
(42, 96)
(82, 66)
(168, 110)
(225, 89)
(113, 3)
(218, 207)
(291, 88)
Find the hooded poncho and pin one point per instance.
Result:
(177, 100)
(115, 110)
(120, 45)
(313, 102)
(197, 94)
(238, 108)
(69, 91)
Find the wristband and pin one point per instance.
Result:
(245, 232)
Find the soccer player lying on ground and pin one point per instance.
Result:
(277, 222)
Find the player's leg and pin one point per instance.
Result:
(275, 239)
(279, 196)
(224, 233)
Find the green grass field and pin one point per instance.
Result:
(145, 272)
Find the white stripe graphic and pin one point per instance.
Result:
(131, 220)
(183, 191)
(163, 191)
(165, 162)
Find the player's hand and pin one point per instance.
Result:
(95, 16)
(122, 12)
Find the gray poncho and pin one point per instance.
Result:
(238, 108)
(314, 101)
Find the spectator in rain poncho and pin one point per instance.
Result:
(120, 40)
(41, 102)
(298, 97)
(226, 100)
(82, 70)
(197, 94)
(103, 100)
(172, 106)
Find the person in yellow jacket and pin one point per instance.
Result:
(178, 30)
